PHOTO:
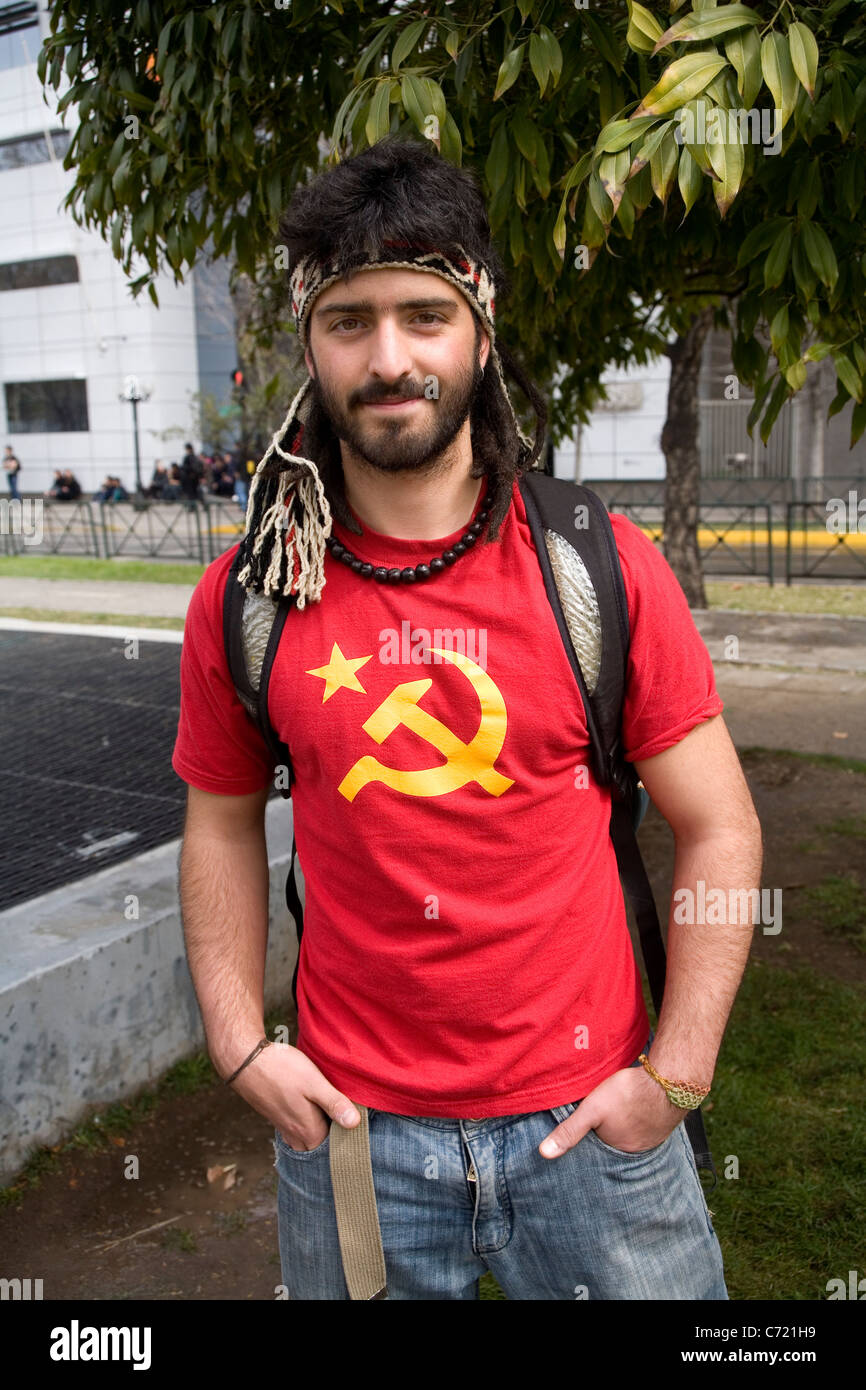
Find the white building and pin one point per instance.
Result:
(70, 331)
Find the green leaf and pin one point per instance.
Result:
(728, 161)
(601, 204)
(777, 400)
(743, 52)
(525, 135)
(690, 179)
(817, 352)
(680, 82)
(496, 165)
(625, 214)
(643, 28)
(613, 172)
(803, 47)
(663, 166)
(858, 422)
(552, 52)
(436, 104)
(640, 188)
(117, 237)
(839, 402)
(604, 41)
(372, 50)
(539, 61)
(158, 167)
(777, 261)
(779, 76)
(759, 239)
(842, 106)
(779, 327)
(509, 70)
(795, 375)
(820, 253)
(696, 28)
(618, 135)
(649, 147)
(848, 375)
(407, 41)
(804, 273)
(116, 153)
(573, 180)
(378, 121)
(452, 44)
(451, 141)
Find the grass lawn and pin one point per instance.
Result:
(83, 567)
(848, 600)
(68, 615)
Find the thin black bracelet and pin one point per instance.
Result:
(265, 1042)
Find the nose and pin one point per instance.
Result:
(390, 359)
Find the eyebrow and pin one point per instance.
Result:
(366, 306)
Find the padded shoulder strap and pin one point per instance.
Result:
(579, 517)
(252, 688)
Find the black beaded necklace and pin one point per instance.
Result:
(412, 573)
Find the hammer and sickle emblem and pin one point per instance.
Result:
(467, 762)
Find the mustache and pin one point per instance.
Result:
(374, 396)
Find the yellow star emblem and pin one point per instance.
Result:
(339, 672)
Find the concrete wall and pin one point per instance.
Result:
(93, 1006)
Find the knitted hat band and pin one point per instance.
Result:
(288, 511)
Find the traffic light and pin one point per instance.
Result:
(239, 381)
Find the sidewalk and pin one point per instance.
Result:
(797, 681)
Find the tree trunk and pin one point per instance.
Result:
(679, 442)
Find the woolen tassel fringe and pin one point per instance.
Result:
(290, 504)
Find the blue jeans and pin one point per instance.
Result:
(595, 1223)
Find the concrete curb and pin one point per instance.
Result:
(93, 1005)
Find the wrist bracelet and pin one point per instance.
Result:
(265, 1042)
(679, 1093)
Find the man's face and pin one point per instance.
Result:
(401, 335)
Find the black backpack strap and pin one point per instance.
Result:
(254, 697)
(551, 505)
(255, 701)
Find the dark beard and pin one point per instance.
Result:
(399, 446)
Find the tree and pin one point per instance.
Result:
(569, 116)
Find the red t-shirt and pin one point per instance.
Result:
(465, 949)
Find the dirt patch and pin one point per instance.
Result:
(795, 799)
(221, 1242)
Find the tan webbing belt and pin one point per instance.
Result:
(355, 1205)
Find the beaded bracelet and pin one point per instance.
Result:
(679, 1093)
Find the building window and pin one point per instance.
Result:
(33, 149)
(20, 40)
(29, 275)
(46, 407)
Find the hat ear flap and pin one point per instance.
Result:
(288, 520)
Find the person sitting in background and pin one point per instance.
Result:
(223, 479)
(66, 487)
(112, 490)
(73, 486)
(172, 489)
(156, 486)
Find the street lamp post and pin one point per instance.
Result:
(133, 392)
